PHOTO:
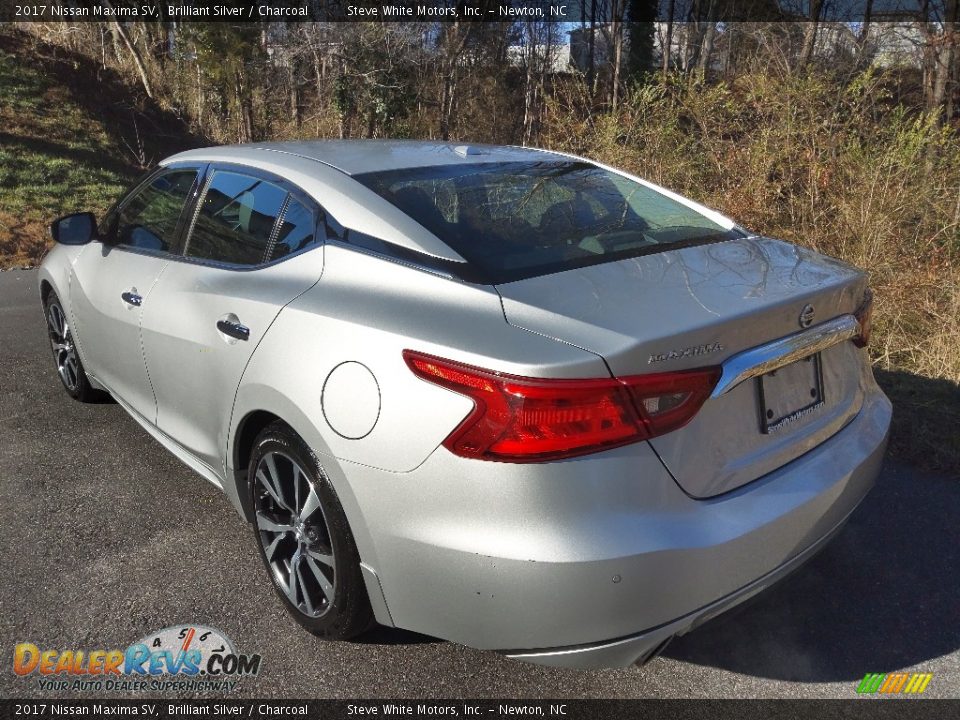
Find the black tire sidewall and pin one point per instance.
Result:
(84, 391)
(349, 613)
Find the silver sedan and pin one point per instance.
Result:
(502, 396)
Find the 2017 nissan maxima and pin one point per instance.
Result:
(502, 396)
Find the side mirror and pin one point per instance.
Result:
(76, 229)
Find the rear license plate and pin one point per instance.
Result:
(790, 394)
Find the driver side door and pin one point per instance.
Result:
(112, 279)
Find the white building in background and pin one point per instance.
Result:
(682, 34)
(891, 42)
(559, 55)
(896, 44)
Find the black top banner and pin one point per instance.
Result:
(563, 11)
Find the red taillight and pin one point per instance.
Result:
(864, 315)
(521, 419)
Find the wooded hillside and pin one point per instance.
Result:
(843, 139)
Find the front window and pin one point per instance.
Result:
(517, 220)
(148, 220)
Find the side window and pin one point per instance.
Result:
(235, 220)
(149, 219)
(296, 231)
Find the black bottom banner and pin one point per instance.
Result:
(560, 709)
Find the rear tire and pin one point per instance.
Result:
(69, 366)
(304, 538)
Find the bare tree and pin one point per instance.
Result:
(134, 53)
(941, 57)
(538, 60)
(454, 38)
(810, 33)
(667, 43)
(617, 15)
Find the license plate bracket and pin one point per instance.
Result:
(790, 393)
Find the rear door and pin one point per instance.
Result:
(111, 283)
(253, 245)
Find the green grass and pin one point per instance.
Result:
(54, 159)
(73, 136)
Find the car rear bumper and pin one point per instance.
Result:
(595, 562)
(646, 645)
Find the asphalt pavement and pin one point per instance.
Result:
(107, 537)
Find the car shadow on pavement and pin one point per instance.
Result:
(882, 596)
(381, 635)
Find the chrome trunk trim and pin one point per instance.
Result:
(766, 358)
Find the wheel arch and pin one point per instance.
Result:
(46, 287)
(247, 430)
(256, 406)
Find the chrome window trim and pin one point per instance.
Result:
(294, 191)
(197, 204)
(144, 182)
(275, 232)
(763, 359)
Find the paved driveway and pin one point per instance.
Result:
(106, 537)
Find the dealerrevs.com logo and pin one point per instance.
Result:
(185, 657)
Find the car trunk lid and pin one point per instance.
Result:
(697, 307)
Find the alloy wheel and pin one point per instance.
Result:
(64, 351)
(294, 534)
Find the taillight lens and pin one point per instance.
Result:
(864, 315)
(521, 419)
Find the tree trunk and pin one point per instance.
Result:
(810, 34)
(728, 62)
(455, 40)
(528, 89)
(245, 133)
(617, 12)
(292, 78)
(318, 73)
(706, 47)
(137, 59)
(941, 55)
(115, 42)
(864, 32)
(668, 42)
(344, 104)
(200, 98)
(944, 70)
(592, 46)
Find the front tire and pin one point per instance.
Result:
(304, 538)
(69, 367)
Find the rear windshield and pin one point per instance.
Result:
(517, 220)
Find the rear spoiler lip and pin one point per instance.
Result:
(766, 358)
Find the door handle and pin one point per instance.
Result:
(233, 329)
(131, 298)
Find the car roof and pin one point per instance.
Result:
(354, 157)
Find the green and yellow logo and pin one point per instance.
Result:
(894, 683)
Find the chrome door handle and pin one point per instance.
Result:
(233, 329)
(131, 299)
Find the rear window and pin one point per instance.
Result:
(235, 220)
(517, 220)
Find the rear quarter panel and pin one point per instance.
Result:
(368, 310)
